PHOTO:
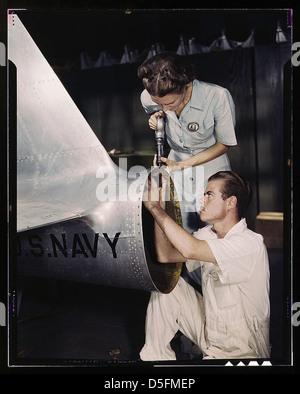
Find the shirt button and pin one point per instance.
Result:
(180, 140)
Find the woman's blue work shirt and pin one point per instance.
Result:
(211, 110)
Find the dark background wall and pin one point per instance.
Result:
(108, 96)
(64, 34)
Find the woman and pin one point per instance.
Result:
(199, 125)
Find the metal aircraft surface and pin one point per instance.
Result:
(80, 217)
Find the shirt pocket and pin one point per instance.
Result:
(208, 126)
(204, 132)
(223, 293)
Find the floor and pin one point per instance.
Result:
(64, 322)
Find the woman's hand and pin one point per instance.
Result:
(153, 119)
(172, 165)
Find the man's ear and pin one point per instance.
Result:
(231, 202)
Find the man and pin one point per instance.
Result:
(231, 318)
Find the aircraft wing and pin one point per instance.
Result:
(58, 154)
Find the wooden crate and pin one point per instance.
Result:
(270, 226)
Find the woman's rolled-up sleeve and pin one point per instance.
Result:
(149, 106)
(224, 118)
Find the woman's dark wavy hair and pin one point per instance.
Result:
(235, 185)
(166, 73)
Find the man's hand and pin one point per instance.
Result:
(154, 196)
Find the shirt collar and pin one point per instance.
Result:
(198, 95)
(237, 228)
(197, 99)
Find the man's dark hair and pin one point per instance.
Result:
(166, 73)
(235, 185)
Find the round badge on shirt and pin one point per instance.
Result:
(193, 126)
